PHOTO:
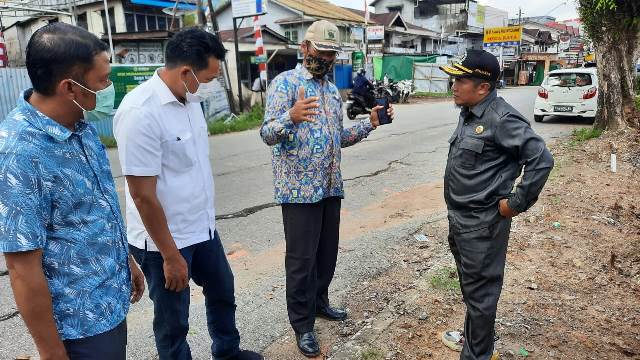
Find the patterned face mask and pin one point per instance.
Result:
(318, 66)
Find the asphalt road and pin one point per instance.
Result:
(392, 184)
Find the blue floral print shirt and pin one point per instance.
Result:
(306, 156)
(57, 194)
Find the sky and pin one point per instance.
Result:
(529, 7)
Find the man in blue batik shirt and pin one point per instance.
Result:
(61, 231)
(303, 123)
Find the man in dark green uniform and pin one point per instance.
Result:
(488, 151)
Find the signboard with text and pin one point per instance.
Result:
(502, 36)
(248, 8)
(126, 77)
(375, 33)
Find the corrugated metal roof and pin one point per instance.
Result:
(322, 9)
(12, 82)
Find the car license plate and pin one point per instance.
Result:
(559, 108)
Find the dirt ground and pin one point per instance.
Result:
(572, 285)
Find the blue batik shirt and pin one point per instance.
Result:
(57, 194)
(306, 156)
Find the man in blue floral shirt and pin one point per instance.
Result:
(303, 124)
(60, 225)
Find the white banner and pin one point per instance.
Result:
(375, 33)
(248, 8)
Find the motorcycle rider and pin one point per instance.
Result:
(363, 87)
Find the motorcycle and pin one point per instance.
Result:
(357, 104)
(406, 89)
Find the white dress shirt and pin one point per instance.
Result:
(159, 136)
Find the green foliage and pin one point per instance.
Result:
(601, 17)
(245, 121)
(108, 141)
(371, 354)
(446, 279)
(581, 135)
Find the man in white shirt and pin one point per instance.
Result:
(164, 152)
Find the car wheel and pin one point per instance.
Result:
(538, 118)
(351, 114)
(591, 120)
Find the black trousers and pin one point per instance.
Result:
(312, 234)
(110, 345)
(480, 258)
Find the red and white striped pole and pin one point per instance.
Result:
(260, 53)
(4, 58)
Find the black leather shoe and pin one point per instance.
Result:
(244, 355)
(331, 314)
(307, 344)
(247, 355)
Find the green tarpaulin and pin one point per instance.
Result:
(398, 67)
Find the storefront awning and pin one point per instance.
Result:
(165, 4)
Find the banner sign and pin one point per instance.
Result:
(502, 36)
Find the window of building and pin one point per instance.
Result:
(141, 22)
(162, 23)
(151, 23)
(81, 21)
(112, 21)
(130, 21)
(345, 35)
(395, 8)
(291, 34)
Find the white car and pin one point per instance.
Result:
(568, 92)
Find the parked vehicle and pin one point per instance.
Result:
(406, 89)
(357, 104)
(568, 92)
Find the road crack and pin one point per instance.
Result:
(9, 316)
(246, 211)
(381, 171)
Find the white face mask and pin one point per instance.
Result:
(204, 91)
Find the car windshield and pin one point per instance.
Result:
(569, 79)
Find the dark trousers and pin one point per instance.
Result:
(480, 258)
(110, 345)
(209, 268)
(312, 234)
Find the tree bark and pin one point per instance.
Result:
(616, 53)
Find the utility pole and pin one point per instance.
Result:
(227, 80)
(517, 75)
(201, 19)
(235, 35)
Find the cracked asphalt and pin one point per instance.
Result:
(396, 158)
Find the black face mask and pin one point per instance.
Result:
(317, 66)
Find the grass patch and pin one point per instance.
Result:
(433, 95)
(581, 135)
(371, 354)
(108, 141)
(247, 120)
(445, 279)
(638, 102)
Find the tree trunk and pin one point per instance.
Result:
(616, 54)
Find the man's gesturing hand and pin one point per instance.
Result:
(505, 210)
(303, 108)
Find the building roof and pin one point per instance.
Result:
(246, 35)
(319, 9)
(540, 36)
(140, 35)
(391, 19)
(564, 27)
